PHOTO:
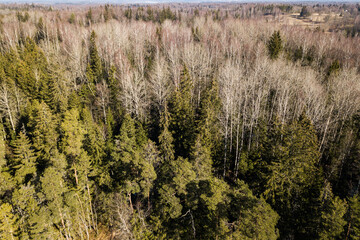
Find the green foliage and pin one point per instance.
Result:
(332, 219)
(333, 68)
(182, 115)
(23, 160)
(128, 13)
(353, 228)
(89, 17)
(7, 222)
(22, 17)
(72, 18)
(275, 45)
(253, 217)
(291, 155)
(75, 164)
(41, 32)
(42, 130)
(165, 139)
(305, 12)
(94, 60)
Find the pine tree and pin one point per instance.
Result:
(32, 220)
(208, 124)
(275, 45)
(6, 179)
(2, 148)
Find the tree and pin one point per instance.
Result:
(201, 159)
(53, 186)
(94, 59)
(292, 178)
(42, 131)
(41, 32)
(353, 227)
(252, 217)
(332, 219)
(275, 45)
(7, 222)
(72, 18)
(182, 115)
(305, 12)
(166, 139)
(23, 160)
(89, 17)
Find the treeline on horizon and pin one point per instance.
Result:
(177, 123)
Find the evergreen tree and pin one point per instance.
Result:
(42, 130)
(94, 60)
(41, 31)
(94, 142)
(182, 115)
(275, 45)
(201, 159)
(166, 139)
(53, 186)
(23, 160)
(252, 218)
(7, 222)
(72, 18)
(89, 17)
(353, 227)
(305, 12)
(292, 178)
(332, 219)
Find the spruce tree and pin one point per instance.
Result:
(23, 160)
(332, 219)
(252, 217)
(53, 187)
(353, 226)
(182, 115)
(275, 45)
(292, 178)
(166, 139)
(94, 58)
(42, 130)
(8, 229)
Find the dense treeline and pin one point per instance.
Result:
(169, 123)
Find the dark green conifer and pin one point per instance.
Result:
(182, 115)
(275, 45)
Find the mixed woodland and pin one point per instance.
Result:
(206, 121)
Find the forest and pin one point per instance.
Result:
(180, 121)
